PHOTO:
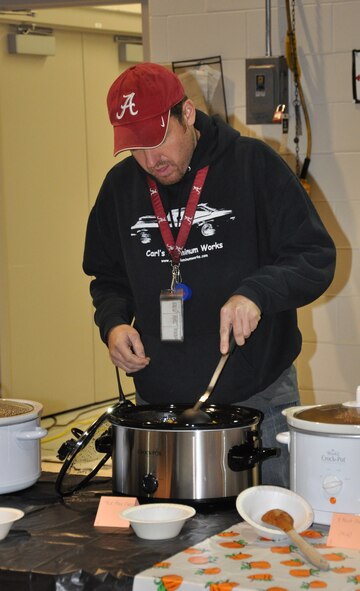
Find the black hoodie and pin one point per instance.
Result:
(255, 233)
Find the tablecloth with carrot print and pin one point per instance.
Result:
(238, 560)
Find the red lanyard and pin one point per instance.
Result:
(175, 248)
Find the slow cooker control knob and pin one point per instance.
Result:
(332, 485)
(150, 483)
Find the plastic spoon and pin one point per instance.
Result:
(284, 521)
(195, 414)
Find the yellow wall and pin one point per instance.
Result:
(55, 148)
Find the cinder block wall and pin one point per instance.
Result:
(327, 32)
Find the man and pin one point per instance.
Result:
(201, 232)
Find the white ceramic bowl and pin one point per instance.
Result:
(253, 502)
(7, 517)
(158, 521)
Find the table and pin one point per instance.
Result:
(56, 546)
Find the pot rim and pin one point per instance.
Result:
(316, 427)
(241, 417)
(24, 417)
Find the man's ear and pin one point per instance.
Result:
(189, 112)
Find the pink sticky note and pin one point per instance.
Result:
(109, 509)
(344, 531)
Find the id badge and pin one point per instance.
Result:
(171, 315)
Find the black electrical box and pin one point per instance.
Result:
(266, 88)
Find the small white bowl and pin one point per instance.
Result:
(7, 517)
(253, 502)
(158, 521)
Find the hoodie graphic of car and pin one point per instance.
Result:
(206, 219)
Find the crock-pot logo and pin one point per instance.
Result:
(332, 457)
(149, 452)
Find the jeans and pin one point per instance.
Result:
(283, 393)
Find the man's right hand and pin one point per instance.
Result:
(126, 349)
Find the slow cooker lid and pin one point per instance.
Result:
(11, 408)
(83, 460)
(332, 414)
(169, 417)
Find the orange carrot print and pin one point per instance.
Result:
(238, 556)
(255, 564)
(336, 556)
(354, 579)
(293, 562)
(162, 564)
(314, 585)
(228, 534)
(193, 551)
(221, 585)
(215, 570)
(303, 572)
(276, 589)
(282, 549)
(261, 577)
(343, 570)
(233, 544)
(311, 533)
(168, 583)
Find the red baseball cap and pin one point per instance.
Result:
(139, 103)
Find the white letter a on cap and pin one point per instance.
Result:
(127, 104)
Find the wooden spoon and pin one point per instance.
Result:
(284, 521)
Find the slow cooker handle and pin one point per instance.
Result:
(245, 456)
(37, 433)
(284, 438)
(104, 443)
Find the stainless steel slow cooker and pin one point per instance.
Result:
(324, 446)
(20, 434)
(155, 455)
